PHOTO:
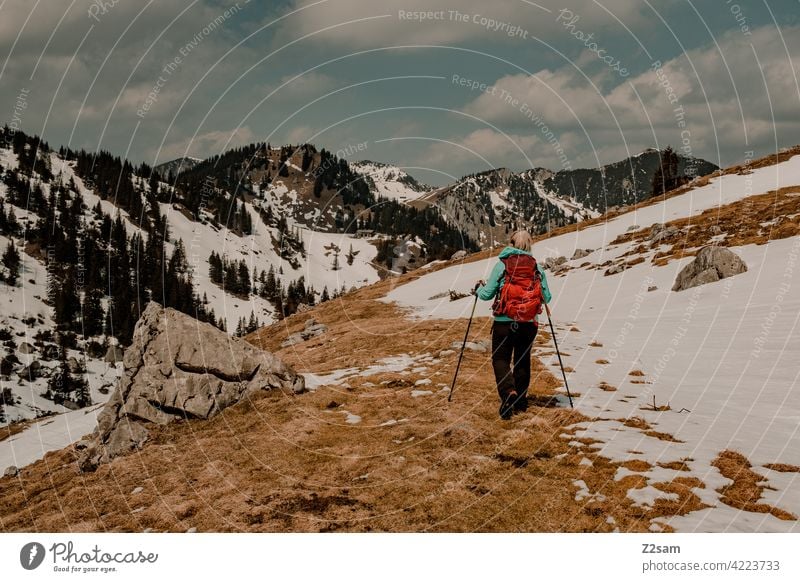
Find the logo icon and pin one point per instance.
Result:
(31, 555)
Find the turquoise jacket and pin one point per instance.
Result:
(497, 277)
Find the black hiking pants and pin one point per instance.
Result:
(512, 341)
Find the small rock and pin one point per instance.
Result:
(479, 346)
(26, 348)
(31, 372)
(422, 382)
(418, 393)
(632, 227)
(82, 444)
(715, 229)
(293, 339)
(114, 354)
(618, 268)
(191, 530)
(137, 490)
(580, 253)
(74, 365)
(11, 471)
(551, 262)
(458, 255)
(652, 288)
(441, 295)
(665, 234)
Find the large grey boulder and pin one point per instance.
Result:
(179, 368)
(711, 264)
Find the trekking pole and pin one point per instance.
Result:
(463, 345)
(560, 363)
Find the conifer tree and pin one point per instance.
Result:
(11, 261)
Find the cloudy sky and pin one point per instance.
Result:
(466, 86)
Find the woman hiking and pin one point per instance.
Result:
(518, 286)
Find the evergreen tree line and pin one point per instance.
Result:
(234, 277)
(100, 276)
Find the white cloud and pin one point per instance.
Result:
(479, 145)
(206, 144)
(391, 22)
(697, 81)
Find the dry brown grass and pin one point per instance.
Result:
(282, 463)
(662, 436)
(741, 222)
(635, 373)
(675, 466)
(595, 344)
(637, 465)
(606, 387)
(747, 488)
(783, 467)
(635, 422)
(601, 362)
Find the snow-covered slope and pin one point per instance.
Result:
(390, 182)
(722, 356)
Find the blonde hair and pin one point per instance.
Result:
(521, 240)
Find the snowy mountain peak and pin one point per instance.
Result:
(391, 182)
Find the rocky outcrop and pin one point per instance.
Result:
(662, 232)
(311, 329)
(581, 253)
(179, 368)
(114, 354)
(711, 264)
(551, 263)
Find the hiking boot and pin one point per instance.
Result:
(507, 407)
(521, 404)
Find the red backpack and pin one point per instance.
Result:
(520, 297)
